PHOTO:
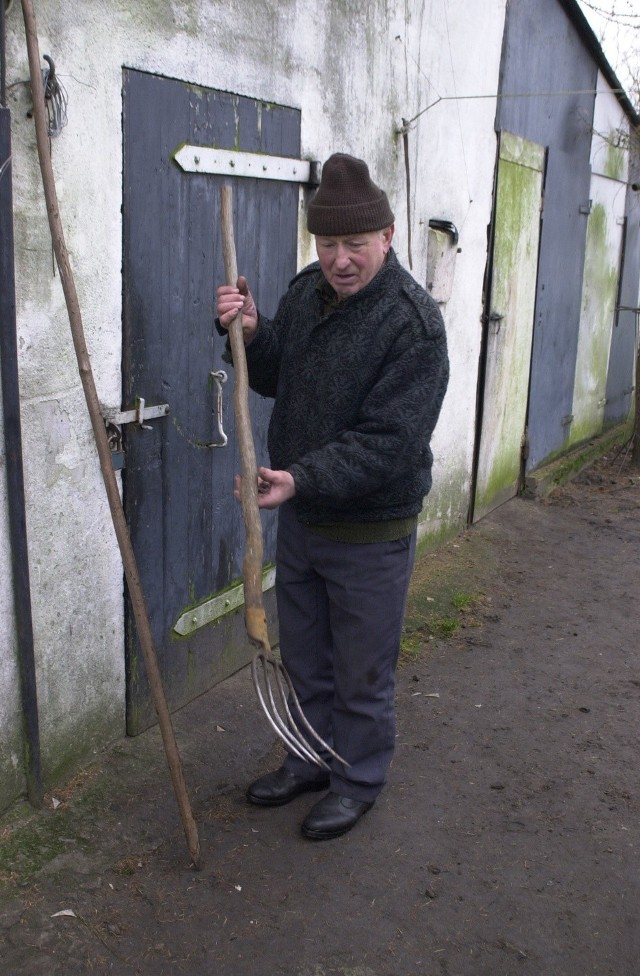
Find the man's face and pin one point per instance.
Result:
(351, 261)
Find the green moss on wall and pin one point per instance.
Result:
(614, 163)
(12, 777)
(560, 467)
(445, 510)
(502, 479)
(596, 322)
(88, 731)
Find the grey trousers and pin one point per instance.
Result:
(340, 608)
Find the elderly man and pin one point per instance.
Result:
(356, 361)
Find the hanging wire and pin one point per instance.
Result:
(55, 97)
(500, 95)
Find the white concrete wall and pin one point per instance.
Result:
(355, 69)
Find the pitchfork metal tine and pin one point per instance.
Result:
(288, 731)
(289, 692)
(292, 740)
(303, 718)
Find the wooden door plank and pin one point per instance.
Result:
(509, 331)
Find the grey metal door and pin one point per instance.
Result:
(186, 527)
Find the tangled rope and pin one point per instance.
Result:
(55, 97)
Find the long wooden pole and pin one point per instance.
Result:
(99, 430)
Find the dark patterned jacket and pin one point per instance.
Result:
(358, 388)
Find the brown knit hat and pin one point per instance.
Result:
(347, 201)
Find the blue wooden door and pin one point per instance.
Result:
(186, 527)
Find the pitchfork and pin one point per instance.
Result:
(272, 683)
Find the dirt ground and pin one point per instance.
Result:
(506, 841)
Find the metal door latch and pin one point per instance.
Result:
(114, 440)
(496, 319)
(114, 419)
(219, 377)
(137, 416)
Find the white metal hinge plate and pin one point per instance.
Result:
(205, 613)
(225, 162)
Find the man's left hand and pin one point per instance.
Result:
(274, 487)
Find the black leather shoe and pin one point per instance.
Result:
(332, 816)
(276, 789)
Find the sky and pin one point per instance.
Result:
(616, 24)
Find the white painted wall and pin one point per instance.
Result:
(355, 69)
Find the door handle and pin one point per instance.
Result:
(219, 377)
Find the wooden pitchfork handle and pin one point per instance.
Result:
(255, 618)
(272, 683)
